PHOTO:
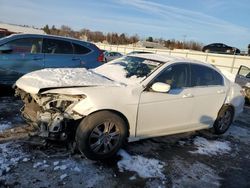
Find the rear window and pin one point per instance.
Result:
(79, 49)
(204, 76)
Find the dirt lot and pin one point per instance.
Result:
(198, 159)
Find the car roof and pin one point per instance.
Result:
(45, 35)
(162, 58)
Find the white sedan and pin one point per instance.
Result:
(131, 98)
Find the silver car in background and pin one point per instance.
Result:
(109, 56)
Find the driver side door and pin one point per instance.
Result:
(166, 113)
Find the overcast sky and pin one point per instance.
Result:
(206, 21)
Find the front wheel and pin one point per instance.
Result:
(224, 120)
(100, 135)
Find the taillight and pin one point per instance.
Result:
(101, 57)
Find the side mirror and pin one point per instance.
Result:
(5, 49)
(161, 87)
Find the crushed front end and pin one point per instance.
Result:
(51, 114)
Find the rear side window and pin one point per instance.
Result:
(54, 46)
(24, 45)
(177, 76)
(204, 76)
(79, 49)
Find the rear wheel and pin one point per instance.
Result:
(101, 135)
(224, 120)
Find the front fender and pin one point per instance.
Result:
(85, 107)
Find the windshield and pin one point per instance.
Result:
(128, 69)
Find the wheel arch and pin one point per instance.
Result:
(117, 113)
(228, 105)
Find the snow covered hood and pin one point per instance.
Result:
(60, 78)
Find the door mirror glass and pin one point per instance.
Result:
(160, 87)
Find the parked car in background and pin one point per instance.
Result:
(109, 56)
(220, 48)
(139, 52)
(23, 53)
(243, 79)
(105, 106)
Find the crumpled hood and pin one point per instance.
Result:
(61, 77)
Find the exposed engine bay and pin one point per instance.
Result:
(51, 114)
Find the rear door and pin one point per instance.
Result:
(59, 53)
(243, 76)
(83, 55)
(209, 94)
(25, 55)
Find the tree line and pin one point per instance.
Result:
(118, 39)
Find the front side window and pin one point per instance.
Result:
(204, 76)
(177, 76)
(24, 45)
(55, 46)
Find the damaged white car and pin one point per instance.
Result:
(131, 98)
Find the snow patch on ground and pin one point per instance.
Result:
(5, 126)
(144, 167)
(10, 154)
(198, 174)
(238, 132)
(211, 147)
(92, 175)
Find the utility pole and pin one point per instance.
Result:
(184, 37)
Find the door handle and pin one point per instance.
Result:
(187, 95)
(37, 58)
(221, 91)
(76, 59)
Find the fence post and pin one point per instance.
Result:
(233, 63)
(206, 57)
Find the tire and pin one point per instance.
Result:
(99, 136)
(224, 120)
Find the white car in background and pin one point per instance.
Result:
(109, 56)
(134, 97)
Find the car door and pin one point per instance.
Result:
(59, 53)
(81, 54)
(165, 113)
(243, 76)
(209, 94)
(23, 55)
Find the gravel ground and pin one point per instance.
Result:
(197, 159)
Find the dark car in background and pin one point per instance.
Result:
(220, 48)
(243, 79)
(23, 53)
